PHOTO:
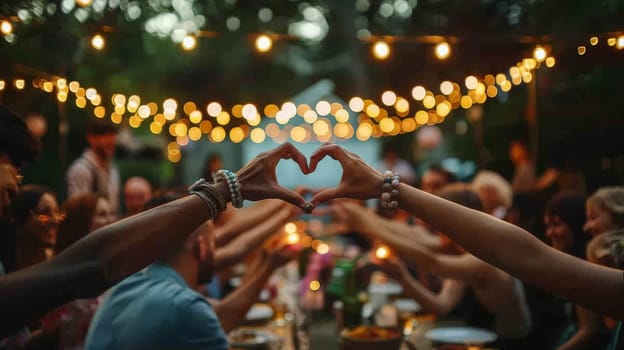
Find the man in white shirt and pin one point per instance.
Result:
(94, 170)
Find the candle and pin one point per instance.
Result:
(292, 238)
(382, 252)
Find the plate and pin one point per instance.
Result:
(389, 288)
(407, 305)
(461, 335)
(251, 339)
(259, 312)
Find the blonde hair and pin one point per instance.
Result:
(612, 200)
(491, 179)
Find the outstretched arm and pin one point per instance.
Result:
(104, 257)
(501, 244)
(253, 237)
(233, 308)
(244, 219)
(437, 303)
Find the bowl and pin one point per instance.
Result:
(370, 338)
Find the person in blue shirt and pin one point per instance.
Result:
(158, 307)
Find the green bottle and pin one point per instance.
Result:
(351, 302)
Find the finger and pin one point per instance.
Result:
(334, 151)
(290, 197)
(291, 152)
(325, 195)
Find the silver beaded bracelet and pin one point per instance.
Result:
(234, 187)
(390, 190)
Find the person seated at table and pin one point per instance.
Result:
(564, 218)
(158, 308)
(84, 213)
(497, 242)
(137, 191)
(605, 222)
(498, 294)
(37, 217)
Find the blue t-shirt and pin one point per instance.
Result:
(155, 309)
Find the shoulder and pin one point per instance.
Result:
(197, 323)
(78, 166)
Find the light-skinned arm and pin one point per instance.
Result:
(249, 240)
(233, 308)
(499, 243)
(244, 219)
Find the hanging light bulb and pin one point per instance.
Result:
(264, 43)
(539, 54)
(6, 27)
(98, 42)
(381, 50)
(189, 43)
(442, 50)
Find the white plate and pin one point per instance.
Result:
(461, 335)
(259, 312)
(407, 305)
(389, 288)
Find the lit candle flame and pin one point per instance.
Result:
(292, 238)
(382, 252)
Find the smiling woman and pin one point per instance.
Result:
(37, 219)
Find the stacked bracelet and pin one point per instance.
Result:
(210, 195)
(390, 190)
(232, 181)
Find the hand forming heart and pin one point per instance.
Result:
(259, 181)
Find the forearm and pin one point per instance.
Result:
(250, 240)
(233, 308)
(518, 252)
(245, 219)
(29, 293)
(428, 301)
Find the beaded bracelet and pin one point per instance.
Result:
(232, 181)
(210, 195)
(390, 190)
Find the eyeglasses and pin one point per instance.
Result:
(46, 217)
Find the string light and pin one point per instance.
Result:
(581, 50)
(619, 44)
(442, 50)
(83, 3)
(439, 107)
(593, 41)
(264, 43)
(446, 87)
(539, 53)
(381, 50)
(6, 27)
(98, 42)
(189, 43)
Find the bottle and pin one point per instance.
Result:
(351, 303)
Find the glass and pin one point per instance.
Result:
(45, 217)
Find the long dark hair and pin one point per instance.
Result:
(27, 200)
(570, 208)
(79, 213)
